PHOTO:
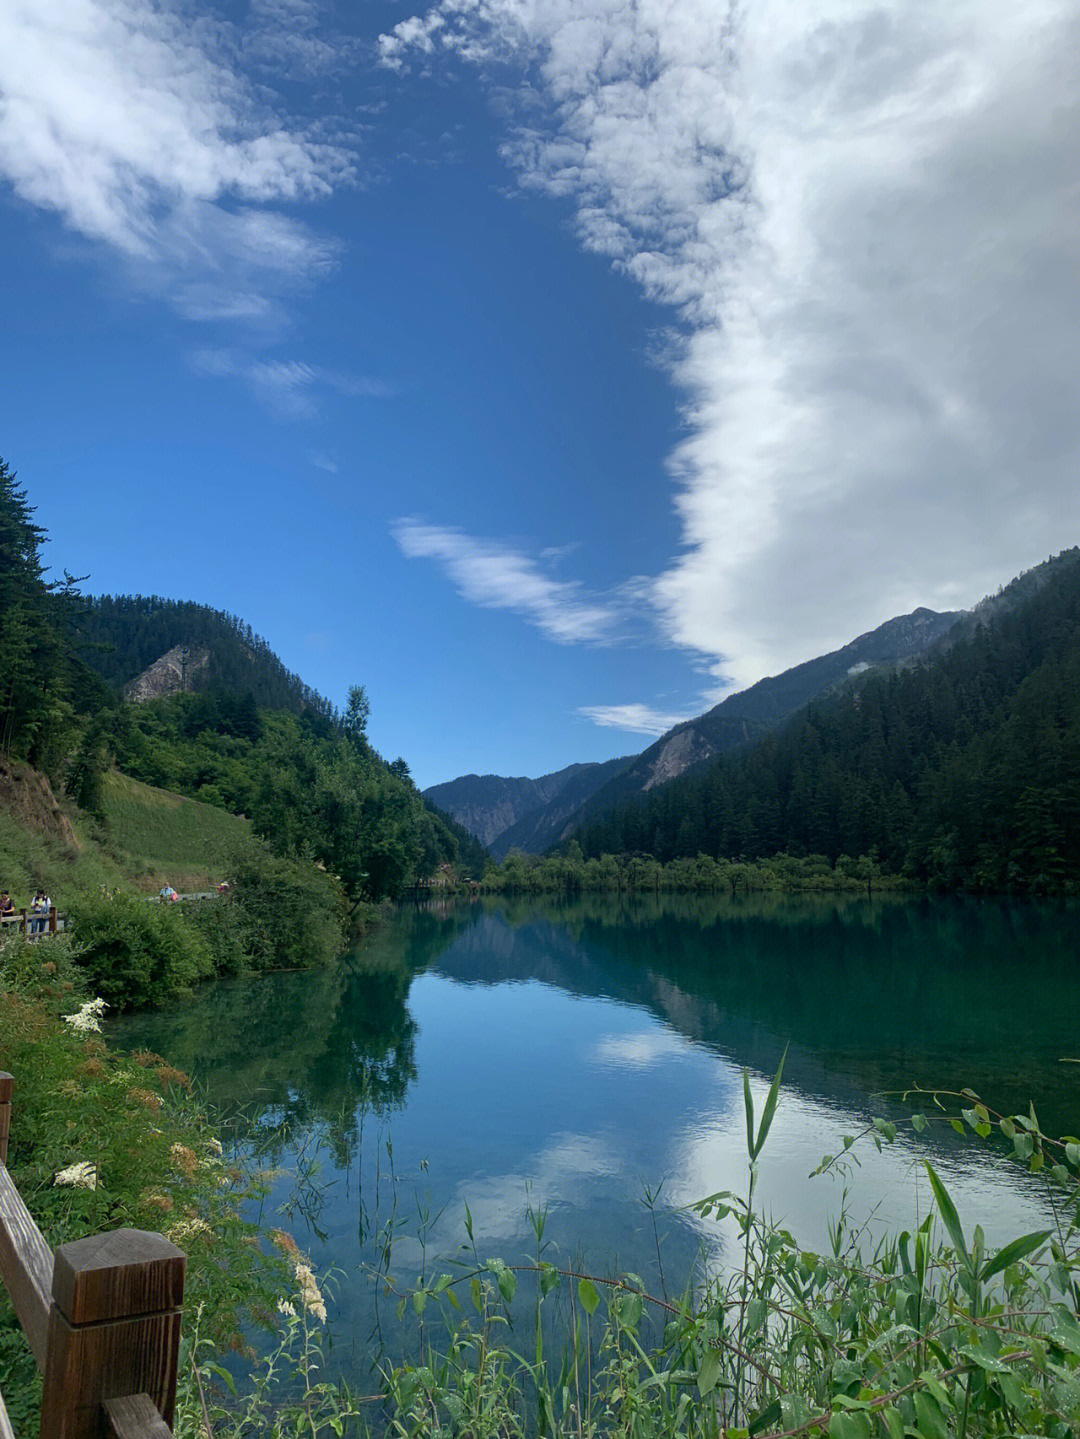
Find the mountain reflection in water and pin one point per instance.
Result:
(567, 1052)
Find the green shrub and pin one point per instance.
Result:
(289, 914)
(220, 926)
(138, 952)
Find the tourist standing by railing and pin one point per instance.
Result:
(40, 912)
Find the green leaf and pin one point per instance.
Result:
(1017, 1249)
(983, 1358)
(1072, 1154)
(629, 1310)
(948, 1213)
(419, 1301)
(795, 1411)
(919, 1123)
(549, 1279)
(937, 1389)
(748, 1105)
(477, 1295)
(709, 1372)
(958, 1125)
(757, 1312)
(930, 1419)
(590, 1299)
(893, 1422)
(507, 1282)
(770, 1108)
(767, 1418)
(223, 1375)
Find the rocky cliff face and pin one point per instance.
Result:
(167, 675)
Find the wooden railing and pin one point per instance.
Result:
(26, 921)
(101, 1316)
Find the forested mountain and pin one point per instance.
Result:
(253, 739)
(489, 805)
(539, 830)
(532, 815)
(122, 636)
(963, 770)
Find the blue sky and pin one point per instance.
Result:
(550, 368)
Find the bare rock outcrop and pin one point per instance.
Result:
(168, 675)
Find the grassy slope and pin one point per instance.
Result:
(149, 836)
(155, 835)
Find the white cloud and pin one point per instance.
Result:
(497, 576)
(867, 213)
(132, 121)
(637, 718)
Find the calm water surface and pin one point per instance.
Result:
(575, 1054)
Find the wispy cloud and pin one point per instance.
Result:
(638, 718)
(291, 388)
(289, 38)
(866, 213)
(500, 577)
(133, 121)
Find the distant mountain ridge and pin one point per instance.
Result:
(959, 769)
(490, 805)
(532, 815)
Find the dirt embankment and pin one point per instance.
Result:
(28, 796)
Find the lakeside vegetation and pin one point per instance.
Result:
(101, 1139)
(571, 872)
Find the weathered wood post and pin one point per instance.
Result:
(52, 918)
(114, 1330)
(22, 921)
(7, 1085)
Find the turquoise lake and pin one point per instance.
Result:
(581, 1055)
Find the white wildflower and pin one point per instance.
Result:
(88, 1017)
(78, 1176)
(215, 1148)
(189, 1228)
(284, 1307)
(310, 1294)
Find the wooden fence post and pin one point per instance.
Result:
(52, 918)
(114, 1330)
(7, 1084)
